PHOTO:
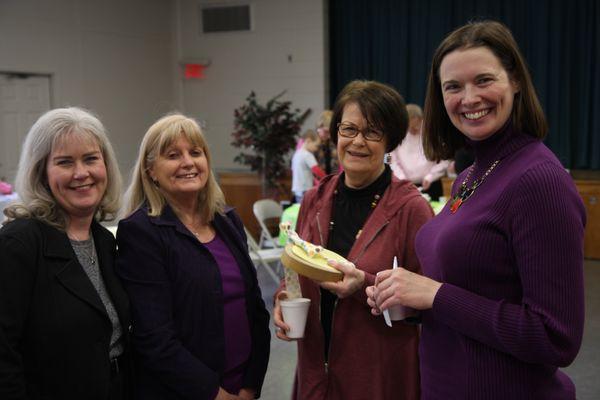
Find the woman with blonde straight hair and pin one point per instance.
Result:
(201, 327)
(144, 189)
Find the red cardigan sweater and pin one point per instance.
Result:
(367, 359)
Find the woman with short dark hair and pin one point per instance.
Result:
(370, 217)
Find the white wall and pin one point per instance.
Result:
(115, 57)
(120, 58)
(256, 60)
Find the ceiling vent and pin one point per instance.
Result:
(225, 18)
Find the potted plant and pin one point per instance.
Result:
(266, 133)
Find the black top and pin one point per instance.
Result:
(351, 208)
(55, 333)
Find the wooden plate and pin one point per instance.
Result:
(295, 258)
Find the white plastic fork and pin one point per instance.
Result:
(386, 313)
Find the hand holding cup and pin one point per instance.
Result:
(280, 326)
(289, 316)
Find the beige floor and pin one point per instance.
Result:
(584, 371)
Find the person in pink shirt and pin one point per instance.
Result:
(408, 160)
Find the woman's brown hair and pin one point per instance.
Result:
(381, 105)
(440, 137)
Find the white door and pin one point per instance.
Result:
(23, 98)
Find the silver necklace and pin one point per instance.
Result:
(192, 228)
(91, 254)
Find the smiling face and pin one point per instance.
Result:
(478, 92)
(181, 171)
(361, 159)
(76, 175)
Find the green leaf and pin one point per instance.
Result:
(269, 131)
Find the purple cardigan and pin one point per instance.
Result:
(511, 307)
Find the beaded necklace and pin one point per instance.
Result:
(464, 191)
(371, 195)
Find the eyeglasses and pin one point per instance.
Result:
(351, 131)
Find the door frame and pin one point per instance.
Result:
(26, 74)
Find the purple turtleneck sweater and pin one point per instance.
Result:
(510, 310)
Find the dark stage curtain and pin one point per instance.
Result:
(392, 41)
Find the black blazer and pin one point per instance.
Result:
(175, 288)
(54, 330)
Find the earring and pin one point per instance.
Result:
(388, 158)
(155, 181)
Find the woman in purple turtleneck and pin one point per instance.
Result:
(502, 295)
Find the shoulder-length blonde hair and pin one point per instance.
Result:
(155, 143)
(54, 127)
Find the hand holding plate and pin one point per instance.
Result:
(351, 282)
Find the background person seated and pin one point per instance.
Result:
(409, 161)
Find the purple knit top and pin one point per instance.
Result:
(237, 328)
(511, 307)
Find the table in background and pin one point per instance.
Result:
(290, 215)
(437, 206)
(589, 190)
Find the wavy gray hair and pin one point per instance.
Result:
(36, 198)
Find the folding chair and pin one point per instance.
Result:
(265, 209)
(264, 256)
